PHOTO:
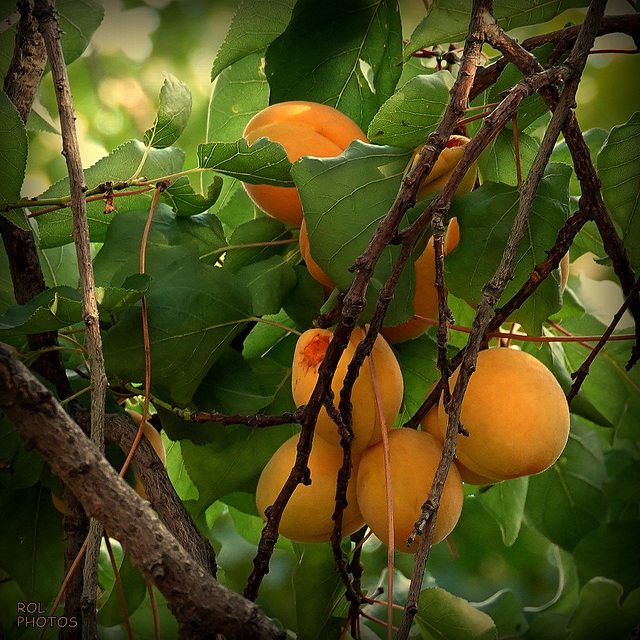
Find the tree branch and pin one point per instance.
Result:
(202, 607)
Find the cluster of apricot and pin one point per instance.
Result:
(514, 409)
(414, 455)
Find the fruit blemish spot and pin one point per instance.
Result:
(313, 353)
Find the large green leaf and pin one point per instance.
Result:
(505, 502)
(264, 162)
(78, 20)
(619, 170)
(19, 468)
(194, 311)
(448, 20)
(13, 158)
(170, 239)
(413, 112)
(497, 162)
(567, 501)
(602, 614)
(268, 281)
(443, 616)
(173, 114)
(485, 217)
(344, 54)
(344, 198)
(134, 588)
(505, 609)
(31, 549)
(186, 202)
(55, 228)
(254, 26)
(612, 552)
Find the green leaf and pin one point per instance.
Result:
(317, 587)
(134, 588)
(13, 158)
(485, 217)
(255, 25)
(601, 614)
(344, 198)
(264, 162)
(194, 311)
(51, 310)
(612, 552)
(171, 238)
(505, 609)
(417, 360)
(264, 337)
(302, 303)
(567, 501)
(497, 162)
(413, 112)
(186, 202)
(268, 281)
(443, 616)
(345, 55)
(260, 231)
(621, 489)
(60, 265)
(173, 114)
(178, 472)
(505, 502)
(38, 123)
(31, 550)
(55, 228)
(619, 170)
(448, 20)
(612, 390)
(19, 468)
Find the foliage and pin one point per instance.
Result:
(552, 556)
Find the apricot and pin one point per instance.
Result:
(444, 166)
(303, 129)
(431, 424)
(307, 516)
(414, 457)
(425, 301)
(312, 266)
(516, 414)
(156, 442)
(309, 354)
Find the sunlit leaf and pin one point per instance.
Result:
(255, 25)
(346, 55)
(413, 112)
(619, 170)
(186, 202)
(448, 20)
(173, 114)
(264, 162)
(55, 228)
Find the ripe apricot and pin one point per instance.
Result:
(431, 424)
(307, 516)
(156, 442)
(303, 129)
(414, 457)
(516, 415)
(444, 166)
(309, 354)
(425, 301)
(316, 272)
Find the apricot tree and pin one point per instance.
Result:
(183, 301)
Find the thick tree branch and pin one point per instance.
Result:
(201, 605)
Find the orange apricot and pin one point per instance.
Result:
(151, 433)
(307, 516)
(303, 129)
(516, 414)
(366, 424)
(414, 457)
(444, 166)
